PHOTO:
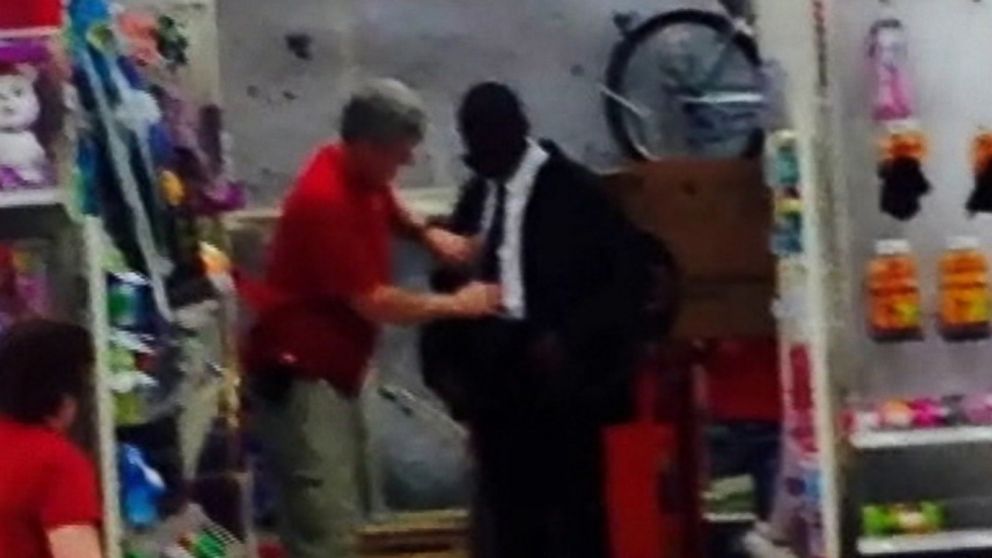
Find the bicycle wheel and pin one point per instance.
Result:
(686, 83)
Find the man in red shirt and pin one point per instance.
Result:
(326, 293)
(49, 503)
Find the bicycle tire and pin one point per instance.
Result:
(624, 52)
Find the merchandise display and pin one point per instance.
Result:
(894, 293)
(902, 519)
(117, 174)
(888, 411)
(920, 413)
(25, 289)
(964, 291)
(141, 488)
(903, 145)
(980, 200)
(30, 113)
(784, 177)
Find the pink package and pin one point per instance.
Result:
(888, 54)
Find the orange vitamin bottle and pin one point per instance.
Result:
(893, 293)
(964, 291)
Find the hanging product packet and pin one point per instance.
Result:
(903, 145)
(19, 15)
(964, 291)
(31, 113)
(980, 200)
(894, 293)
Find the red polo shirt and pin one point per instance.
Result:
(331, 244)
(45, 483)
(743, 381)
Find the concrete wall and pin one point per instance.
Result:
(554, 51)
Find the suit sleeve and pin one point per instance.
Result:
(612, 306)
(466, 218)
(602, 334)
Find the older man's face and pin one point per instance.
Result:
(380, 163)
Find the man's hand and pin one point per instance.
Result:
(450, 248)
(478, 300)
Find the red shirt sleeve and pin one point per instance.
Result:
(71, 496)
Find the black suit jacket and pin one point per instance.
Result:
(572, 357)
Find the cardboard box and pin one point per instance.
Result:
(715, 216)
(717, 309)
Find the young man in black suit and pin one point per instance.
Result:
(538, 383)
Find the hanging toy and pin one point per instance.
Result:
(904, 146)
(141, 488)
(173, 44)
(980, 200)
(783, 164)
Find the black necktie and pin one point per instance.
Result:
(494, 240)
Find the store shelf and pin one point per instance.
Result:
(758, 546)
(730, 518)
(920, 544)
(960, 435)
(42, 197)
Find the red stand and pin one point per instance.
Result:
(653, 479)
(30, 14)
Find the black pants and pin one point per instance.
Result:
(540, 487)
(539, 466)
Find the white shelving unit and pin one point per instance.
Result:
(34, 198)
(91, 252)
(951, 541)
(956, 436)
(93, 240)
(822, 46)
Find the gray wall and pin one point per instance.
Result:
(554, 51)
(280, 105)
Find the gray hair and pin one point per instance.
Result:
(384, 111)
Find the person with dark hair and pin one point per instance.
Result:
(326, 294)
(49, 496)
(538, 382)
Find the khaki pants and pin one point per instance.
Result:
(313, 442)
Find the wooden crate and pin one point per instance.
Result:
(417, 535)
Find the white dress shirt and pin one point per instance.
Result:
(518, 191)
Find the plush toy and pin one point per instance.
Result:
(23, 161)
